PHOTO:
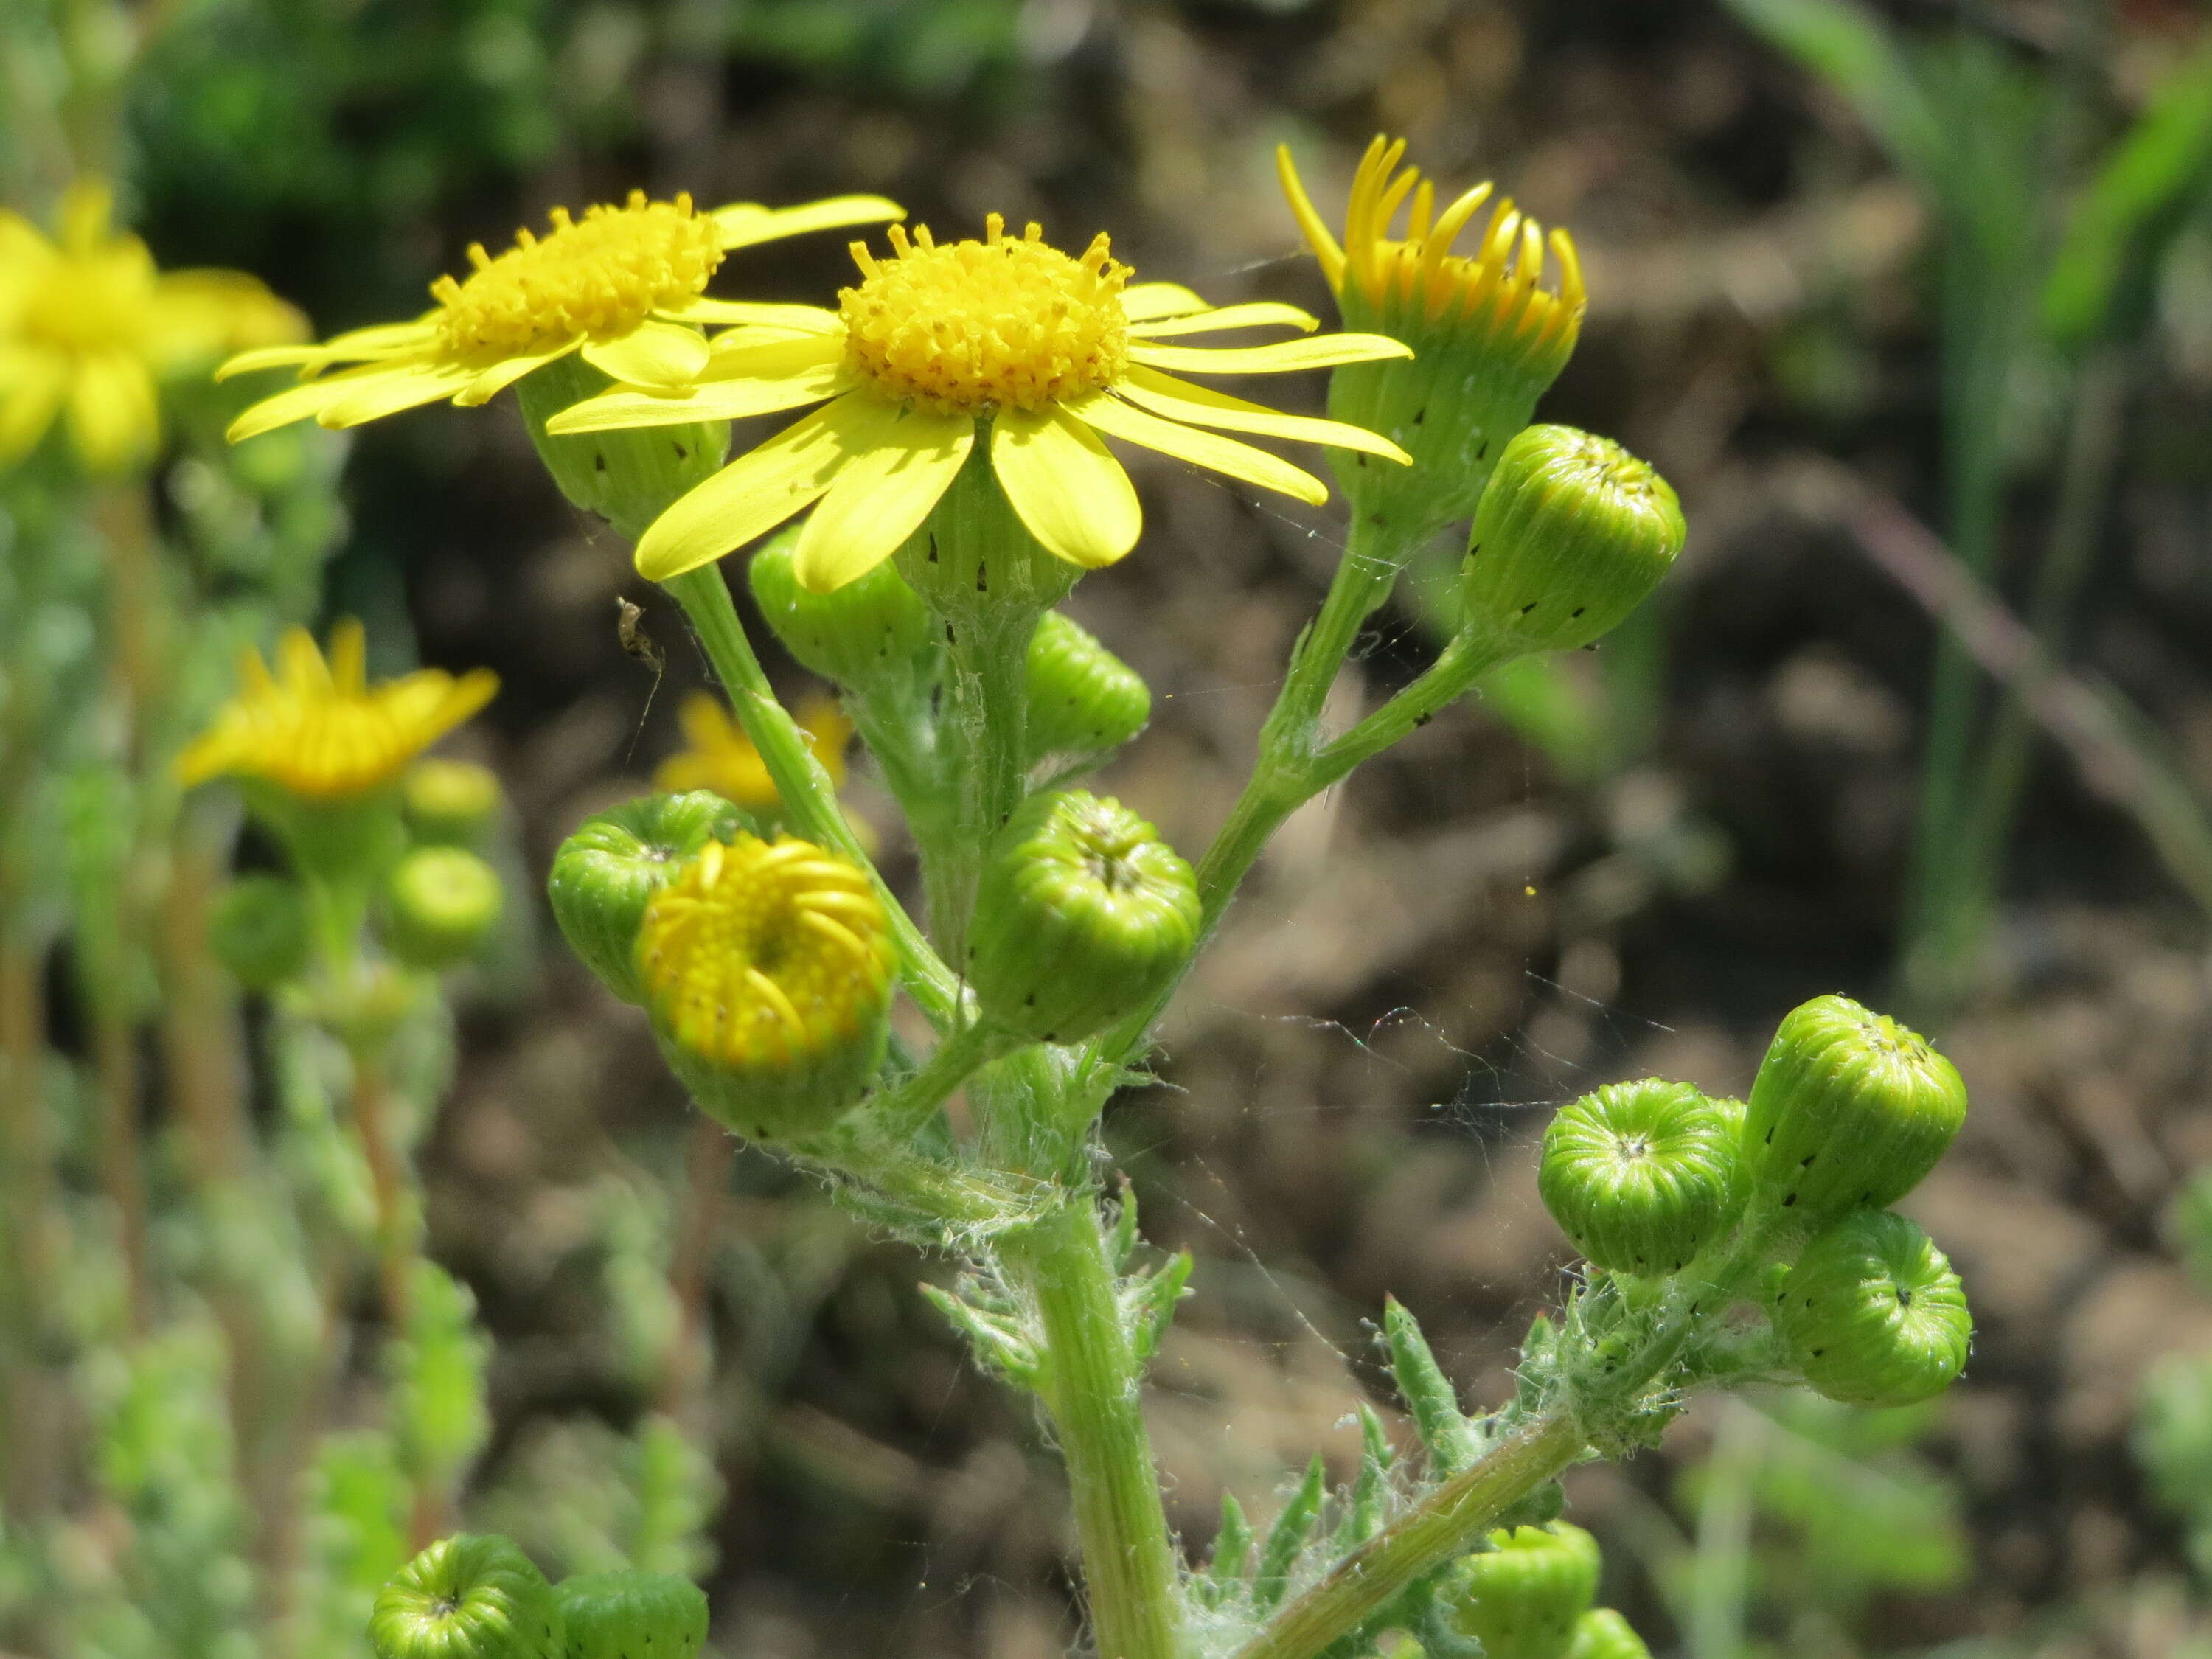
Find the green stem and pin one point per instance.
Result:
(1092, 1394)
(906, 1111)
(809, 799)
(987, 703)
(1421, 1540)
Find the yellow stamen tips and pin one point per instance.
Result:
(766, 957)
(1417, 280)
(319, 731)
(720, 756)
(602, 275)
(976, 327)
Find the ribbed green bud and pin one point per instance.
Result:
(626, 477)
(633, 1615)
(1850, 1110)
(1083, 700)
(607, 871)
(257, 929)
(1602, 1633)
(439, 904)
(1082, 913)
(872, 626)
(449, 803)
(1640, 1175)
(1522, 1597)
(1571, 535)
(1872, 1313)
(470, 1596)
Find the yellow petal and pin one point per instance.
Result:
(1310, 222)
(34, 386)
(506, 372)
(114, 417)
(1144, 301)
(758, 352)
(1182, 400)
(795, 319)
(1280, 358)
(348, 660)
(743, 224)
(361, 344)
(1066, 486)
(1259, 314)
(880, 498)
(651, 355)
(710, 400)
(761, 489)
(1206, 449)
(382, 391)
(313, 398)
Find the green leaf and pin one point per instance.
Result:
(1452, 1441)
(1288, 1537)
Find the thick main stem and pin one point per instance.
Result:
(1128, 1561)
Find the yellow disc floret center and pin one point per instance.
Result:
(599, 276)
(973, 327)
(766, 954)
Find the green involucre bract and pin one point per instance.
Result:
(1522, 1597)
(470, 1596)
(1872, 1313)
(1083, 700)
(1602, 1633)
(633, 1615)
(873, 627)
(1640, 1175)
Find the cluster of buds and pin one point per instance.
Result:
(477, 1596)
(1849, 1113)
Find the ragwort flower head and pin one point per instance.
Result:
(1008, 341)
(319, 731)
(88, 326)
(624, 286)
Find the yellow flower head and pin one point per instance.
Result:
(722, 758)
(1416, 288)
(320, 731)
(766, 957)
(87, 325)
(625, 286)
(1006, 339)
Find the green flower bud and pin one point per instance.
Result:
(470, 1596)
(1571, 535)
(1872, 1313)
(1522, 1597)
(1083, 700)
(767, 968)
(449, 803)
(1640, 1175)
(441, 902)
(1083, 913)
(257, 929)
(633, 1615)
(1850, 1110)
(628, 477)
(872, 626)
(607, 871)
(1602, 1633)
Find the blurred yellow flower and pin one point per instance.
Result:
(320, 731)
(722, 758)
(625, 286)
(87, 325)
(1007, 338)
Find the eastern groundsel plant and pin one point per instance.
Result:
(957, 479)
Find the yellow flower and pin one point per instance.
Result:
(320, 731)
(1006, 336)
(87, 325)
(622, 285)
(1416, 286)
(722, 758)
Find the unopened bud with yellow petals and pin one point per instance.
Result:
(767, 969)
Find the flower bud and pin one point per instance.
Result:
(449, 803)
(1872, 1313)
(628, 477)
(1083, 700)
(607, 871)
(1602, 1633)
(1571, 535)
(872, 626)
(633, 1615)
(1522, 1597)
(1083, 913)
(257, 929)
(1850, 1110)
(1641, 1174)
(767, 969)
(470, 1596)
(442, 903)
